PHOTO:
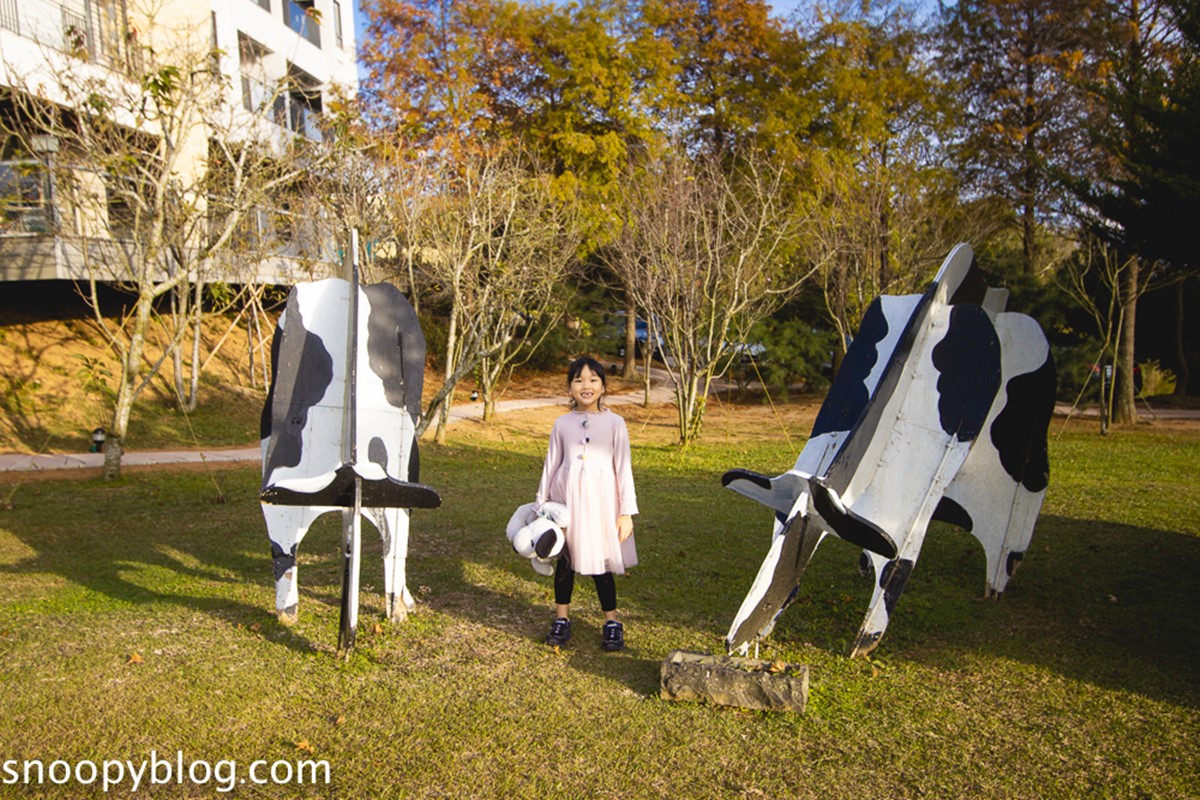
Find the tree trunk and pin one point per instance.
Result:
(629, 367)
(1124, 408)
(127, 391)
(444, 410)
(1029, 159)
(1181, 356)
(193, 398)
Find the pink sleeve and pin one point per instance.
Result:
(553, 459)
(622, 465)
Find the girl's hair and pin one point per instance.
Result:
(577, 367)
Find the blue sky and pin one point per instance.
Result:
(781, 9)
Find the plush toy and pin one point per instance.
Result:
(537, 534)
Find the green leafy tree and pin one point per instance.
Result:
(1017, 64)
(1145, 186)
(885, 206)
(724, 87)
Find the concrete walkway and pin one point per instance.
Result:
(660, 392)
(13, 462)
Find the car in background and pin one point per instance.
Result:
(641, 337)
(745, 352)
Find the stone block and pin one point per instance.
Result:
(733, 681)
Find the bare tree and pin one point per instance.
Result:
(707, 251)
(153, 175)
(528, 270)
(1107, 284)
(496, 246)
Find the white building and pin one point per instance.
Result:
(283, 59)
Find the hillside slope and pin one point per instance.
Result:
(57, 380)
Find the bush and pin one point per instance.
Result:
(795, 353)
(1156, 380)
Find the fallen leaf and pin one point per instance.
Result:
(305, 746)
(256, 627)
(341, 719)
(134, 659)
(776, 666)
(378, 628)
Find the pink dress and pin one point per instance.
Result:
(588, 470)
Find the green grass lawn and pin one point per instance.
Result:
(136, 616)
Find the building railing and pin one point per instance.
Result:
(91, 31)
(304, 121)
(304, 21)
(8, 16)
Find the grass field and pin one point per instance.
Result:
(136, 617)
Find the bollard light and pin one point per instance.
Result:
(98, 438)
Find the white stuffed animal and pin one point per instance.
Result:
(537, 534)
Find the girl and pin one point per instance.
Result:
(587, 469)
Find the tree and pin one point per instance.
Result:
(1144, 191)
(707, 251)
(143, 200)
(724, 82)
(1017, 64)
(440, 71)
(886, 207)
(1106, 282)
(497, 245)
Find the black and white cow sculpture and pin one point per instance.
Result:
(338, 428)
(939, 411)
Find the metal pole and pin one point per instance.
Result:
(351, 517)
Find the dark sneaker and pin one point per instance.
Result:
(614, 636)
(560, 632)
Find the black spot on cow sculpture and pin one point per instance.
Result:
(338, 432)
(939, 411)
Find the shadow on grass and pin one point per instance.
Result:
(1094, 601)
(1099, 602)
(145, 540)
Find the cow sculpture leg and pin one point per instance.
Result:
(393, 528)
(286, 527)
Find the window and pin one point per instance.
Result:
(24, 189)
(304, 19)
(124, 198)
(255, 90)
(337, 23)
(305, 114)
(303, 104)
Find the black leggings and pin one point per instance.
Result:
(564, 586)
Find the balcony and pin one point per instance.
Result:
(87, 30)
(304, 19)
(8, 16)
(303, 119)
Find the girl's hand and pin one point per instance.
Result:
(624, 527)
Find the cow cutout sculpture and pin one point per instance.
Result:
(939, 411)
(339, 433)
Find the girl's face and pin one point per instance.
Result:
(586, 390)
